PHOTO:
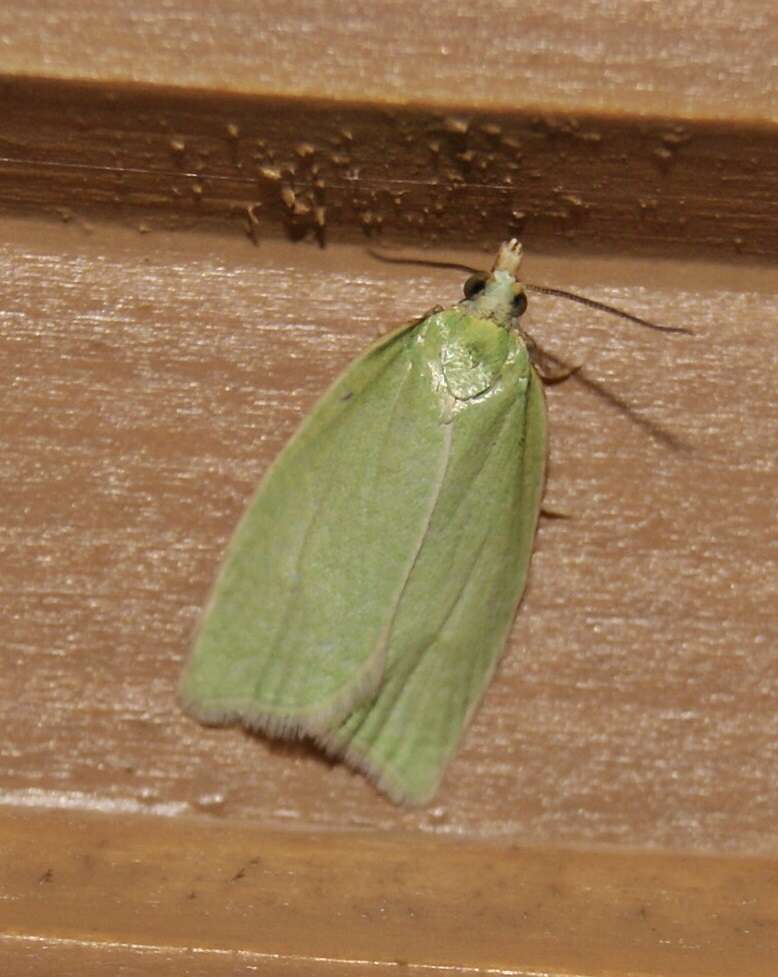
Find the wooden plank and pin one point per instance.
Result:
(605, 56)
(333, 172)
(153, 379)
(190, 891)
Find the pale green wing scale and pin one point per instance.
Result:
(367, 594)
(460, 599)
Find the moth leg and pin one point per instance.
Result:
(549, 367)
(432, 311)
(551, 514)
(551, 370)
(414, 322)
(550, 377)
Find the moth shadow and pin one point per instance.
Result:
(298, 748)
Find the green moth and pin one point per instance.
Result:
(367, 594)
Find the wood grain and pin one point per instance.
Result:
(154, 362)
(155, 377)
(330, 171)
(689, 59)
(355, 903)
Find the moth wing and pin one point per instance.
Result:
(460, 600)
(295, 630)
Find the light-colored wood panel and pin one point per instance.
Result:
(152, 378)
(152, 892)
(686, 59)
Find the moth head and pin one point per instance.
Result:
(498, 294)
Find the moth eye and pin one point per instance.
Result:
(475, 283)
(519, 304)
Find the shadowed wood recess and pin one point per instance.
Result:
(336, 171)
(625, 126)
(185, 197)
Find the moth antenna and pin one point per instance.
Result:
(423, 262)
(603, 307)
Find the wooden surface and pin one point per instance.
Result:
(618, 127)
(331, 172)
(154, 379)
(150, 377)
(686, 59)
(392, 903)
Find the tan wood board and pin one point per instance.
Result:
(161, 896)
(151, 380)
(688, 59)
(433, 175)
